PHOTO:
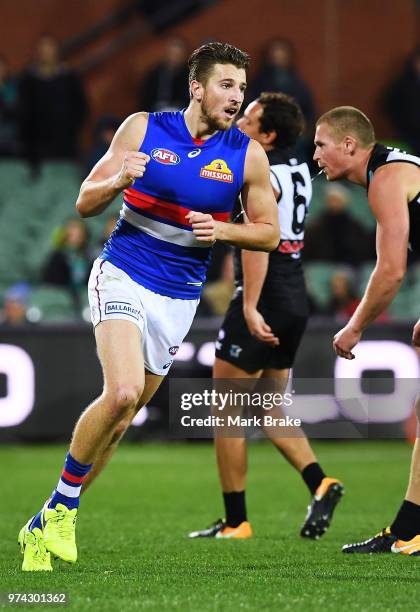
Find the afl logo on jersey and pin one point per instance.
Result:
(165, 156)
(217, 171)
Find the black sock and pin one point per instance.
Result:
(313, 475)
(235, 508)
(407, 521)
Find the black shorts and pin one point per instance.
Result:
(236, 345)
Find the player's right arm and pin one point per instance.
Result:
(388, 202)
(118, 168)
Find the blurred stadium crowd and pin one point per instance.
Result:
(46, 252)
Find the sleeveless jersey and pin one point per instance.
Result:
(382, 155)
(284, 282)
(153, 242)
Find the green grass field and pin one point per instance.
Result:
(133, 553)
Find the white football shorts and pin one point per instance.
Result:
(163, 321)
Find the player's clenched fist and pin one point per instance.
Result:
(133, 167)
(203, 225)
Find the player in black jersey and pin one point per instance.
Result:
(265, 322)
(346, 149)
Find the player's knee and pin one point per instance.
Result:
(125, 399)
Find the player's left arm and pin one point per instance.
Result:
(262, 233)
(388, 202)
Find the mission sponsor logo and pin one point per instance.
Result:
(165, 156)
(122, 308)
(217, 171)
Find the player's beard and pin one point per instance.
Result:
(213, 122)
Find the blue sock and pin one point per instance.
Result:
(67, 491)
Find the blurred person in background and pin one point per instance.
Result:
(53, 106)
(345, 148)
(107, 229)
(402, 103)
(15, 304)
(9, 103)
(335, 235)
(264, 324)
(70, 263)
(343, 299)
(164, 87)
(103, 133)
(278, 72)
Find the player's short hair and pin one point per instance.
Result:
(282, 115)
(203, 59)
(345, 120)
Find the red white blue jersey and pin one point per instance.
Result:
(153, 242)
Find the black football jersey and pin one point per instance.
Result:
(382, 155)
(284, 283)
